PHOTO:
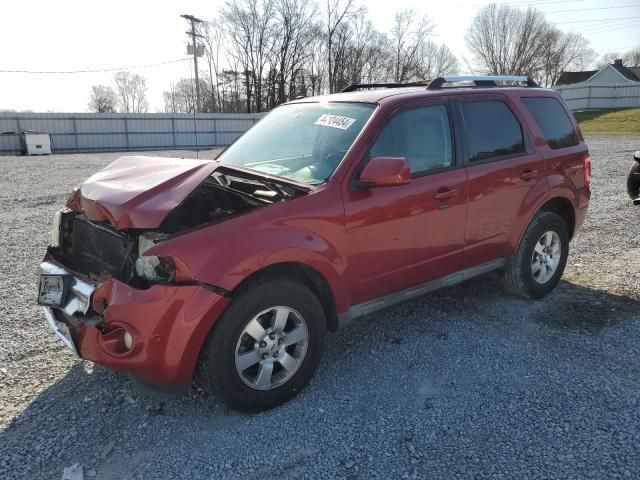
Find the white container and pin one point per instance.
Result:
(37, 143)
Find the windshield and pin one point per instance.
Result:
(302, 141)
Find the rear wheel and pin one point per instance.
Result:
(266, 347)
(538, 264)
(633, 181)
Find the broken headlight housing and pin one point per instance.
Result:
(156, 269)
(153, 268)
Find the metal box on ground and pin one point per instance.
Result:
(37, 143)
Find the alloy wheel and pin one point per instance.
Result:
(546, 257)
(271, 348)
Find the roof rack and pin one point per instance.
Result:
(482, 81)
(437, 83)
(363, 86)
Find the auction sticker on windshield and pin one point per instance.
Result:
(335, 121)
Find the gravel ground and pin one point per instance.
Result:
(466, 382)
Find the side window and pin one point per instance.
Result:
(422, 135)
(553, 121)
(492, 130)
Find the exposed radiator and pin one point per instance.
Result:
(96, 249)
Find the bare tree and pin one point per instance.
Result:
(561, 52)
(367, 56)
(316, 63)
(508, 41)
(436, 60)
(132, 92)
(408, 38)
(103, 99)
(181, 97)
(607, 58)
(214, 38)
(632, 58)
(337, 12)
(293, 23)
(250, 29)
(261, 53)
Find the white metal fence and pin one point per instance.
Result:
(584, 97)
(81, 132)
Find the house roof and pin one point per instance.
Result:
(567, 78)
(632, 73)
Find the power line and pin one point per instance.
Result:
(100, 70)
(615, 28)
(611, 26)
(597, 21)
(590, 9)
(549, 12)
(625, 48)
(608, 25)
(537, 2)
(527, 3)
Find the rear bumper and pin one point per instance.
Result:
(167, 323)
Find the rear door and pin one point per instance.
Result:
(503, 170)
(405, 235)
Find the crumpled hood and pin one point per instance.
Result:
(139, 192)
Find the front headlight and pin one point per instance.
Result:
(151, 267)
(156, 268)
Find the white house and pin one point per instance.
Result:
(613, 86)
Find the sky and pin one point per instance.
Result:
(71, 35)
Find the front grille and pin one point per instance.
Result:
(97, 249)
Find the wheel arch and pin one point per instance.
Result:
(303, 273)
(557, 204)
(562, 207)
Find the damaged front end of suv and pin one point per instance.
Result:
(106, 294)
(237, 266)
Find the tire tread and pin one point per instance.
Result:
(515, 279)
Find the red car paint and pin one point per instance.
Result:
(169, 325)
(364, 243)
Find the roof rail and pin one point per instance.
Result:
(481, 81)
(363, 86)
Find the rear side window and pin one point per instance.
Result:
(421, 135)
(553, 121)
(492, 130)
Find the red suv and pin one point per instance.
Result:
(328, 209)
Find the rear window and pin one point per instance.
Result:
(553, 121)
(492, 130)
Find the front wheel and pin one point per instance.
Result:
(539, 262)
(266, 346)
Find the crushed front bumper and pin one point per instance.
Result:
(167, 325)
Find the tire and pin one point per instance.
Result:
(228, 340)
(528, 279)
(633, 181)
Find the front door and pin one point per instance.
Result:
(405, 235)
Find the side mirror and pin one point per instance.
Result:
(385, 172)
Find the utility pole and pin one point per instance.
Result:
(193, 20)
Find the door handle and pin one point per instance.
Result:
(445, 193)
(529, 174)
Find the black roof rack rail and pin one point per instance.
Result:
(363, 86)
(481, 81)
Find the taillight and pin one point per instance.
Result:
(586, 168)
